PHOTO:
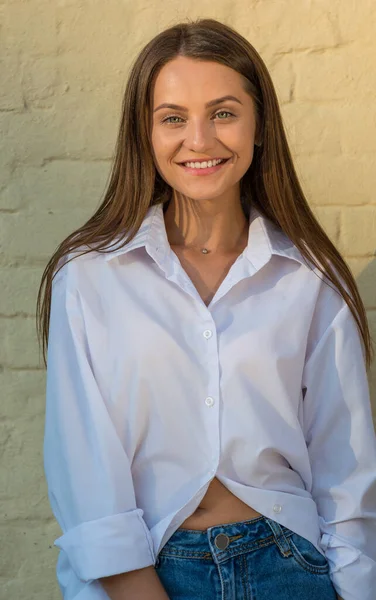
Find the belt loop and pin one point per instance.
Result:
(279, 536)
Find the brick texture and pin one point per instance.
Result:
(63, 67)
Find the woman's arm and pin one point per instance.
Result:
(341, 443)
(88, 472)
(143, 584)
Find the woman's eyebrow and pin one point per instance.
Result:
(207, 105)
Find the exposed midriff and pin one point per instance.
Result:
(218, 506)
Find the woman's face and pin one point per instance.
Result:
(195, 132)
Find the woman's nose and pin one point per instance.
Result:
(200, 134)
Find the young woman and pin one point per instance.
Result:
(208, 426)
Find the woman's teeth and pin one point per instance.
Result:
(204, 165)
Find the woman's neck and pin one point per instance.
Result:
(221, 228)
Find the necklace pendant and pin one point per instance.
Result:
(205, 251)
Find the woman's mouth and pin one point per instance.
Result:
(202, 170)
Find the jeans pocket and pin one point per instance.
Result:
(307, 555)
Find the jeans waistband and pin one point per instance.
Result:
(228, 539)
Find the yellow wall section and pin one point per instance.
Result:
(63, 66)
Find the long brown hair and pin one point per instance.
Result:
(271, 182)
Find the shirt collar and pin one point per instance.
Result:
(264, 239)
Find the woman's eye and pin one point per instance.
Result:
(224, 112)
(167, 119)
(221, 112)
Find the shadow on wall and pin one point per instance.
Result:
(367, 287)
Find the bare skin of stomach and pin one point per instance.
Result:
(218, 506)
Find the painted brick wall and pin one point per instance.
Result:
(63, 66)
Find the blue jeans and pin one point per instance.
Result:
(257, 559)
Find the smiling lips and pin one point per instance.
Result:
(202, 160)
(203, 170)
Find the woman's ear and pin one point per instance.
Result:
(258, 140)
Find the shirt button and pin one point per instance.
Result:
(277, 508)
(209, 401)
(207, 333)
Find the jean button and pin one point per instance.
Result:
(222, 541)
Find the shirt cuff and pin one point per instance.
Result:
(108, 546)
(353, 574)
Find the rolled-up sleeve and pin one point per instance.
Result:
(341, 442)
(88, 473)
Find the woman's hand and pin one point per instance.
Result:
(142, 584)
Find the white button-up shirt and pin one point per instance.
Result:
(151, 394)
